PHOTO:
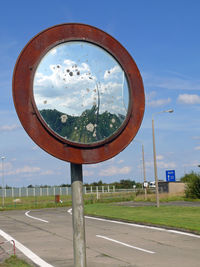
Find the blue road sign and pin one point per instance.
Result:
(170, 176)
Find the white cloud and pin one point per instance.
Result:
(189, 99)
(25, 169)
(191, 164)
(152, 102)
(166, 165)
(159, 102)
(170, 82)
(161, 164)
(196, 137)
(48, 172)
(115, 170)
(197, 148)
(159, 157)
(9, 128)
(7, 166)
(149, 96)
(88, 173)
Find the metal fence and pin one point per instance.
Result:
(56, 190)
(34, 191)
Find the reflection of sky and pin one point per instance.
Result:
(74, 76)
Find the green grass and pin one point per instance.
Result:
(40, 202)
(13, 261)
(187, 218)
(35, 203)
(49, 201)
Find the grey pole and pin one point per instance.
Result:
(154, 156)
(155, 166)
(144, 172)
(78, 216)
(2, 158)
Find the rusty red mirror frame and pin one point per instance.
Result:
(28, 114)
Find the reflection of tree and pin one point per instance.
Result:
(83, 128)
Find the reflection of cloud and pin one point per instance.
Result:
(69, 62)
(62, 88)
(112, 73)
(53, 51)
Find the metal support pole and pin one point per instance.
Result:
(144, 172)
(97, 191)
(155, 166)
(78, 216)
(3, 201)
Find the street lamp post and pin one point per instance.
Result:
(144, 173)
(143, 164)
(154, 156)
(2, 159)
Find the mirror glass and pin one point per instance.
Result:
(81, 92)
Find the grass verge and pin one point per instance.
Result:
(183, 218)
(13, 261)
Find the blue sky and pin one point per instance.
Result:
(162, 37)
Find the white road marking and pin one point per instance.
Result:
(140, 226)
(124, 244)
(35, 218)
(32, 256)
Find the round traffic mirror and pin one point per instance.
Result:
(81, 93)
(78, 93)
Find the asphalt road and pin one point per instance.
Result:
(108, 243)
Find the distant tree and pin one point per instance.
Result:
(127, 183)
(188, 177)
(44, 186)
(100, 183)
(193, 187)
(138, 185)
(124, 184)
(65, 185)
(94, 184)
(30, 186)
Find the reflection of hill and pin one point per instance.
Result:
(87, 128)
